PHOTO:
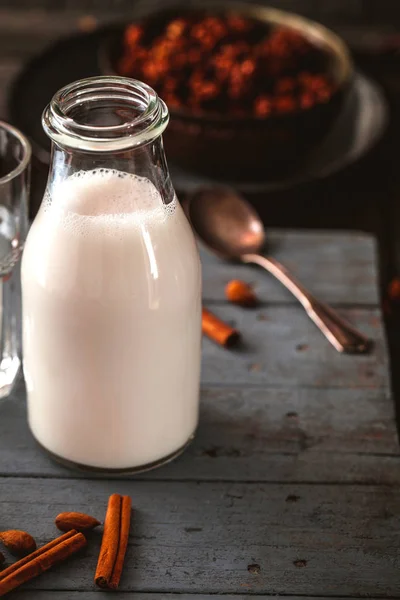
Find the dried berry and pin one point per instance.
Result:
(133, 34)
(307, 100)
(263, 106)
(19, 543)
(285, 85)
(67, 521)
(175, 29)
(285, 104)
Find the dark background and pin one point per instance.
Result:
(364, 196)
(365, 12)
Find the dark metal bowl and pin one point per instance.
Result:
(250, 147)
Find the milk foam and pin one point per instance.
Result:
(106, 199)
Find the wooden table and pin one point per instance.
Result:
(292, 484)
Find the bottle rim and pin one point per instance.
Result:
(146, 115)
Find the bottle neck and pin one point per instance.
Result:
(145, 161)
(108, 123)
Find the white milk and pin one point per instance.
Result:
(112, 322)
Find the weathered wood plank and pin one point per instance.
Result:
(339, 268)
(22, 594)
(191, 537)
(254, 435)
(212, 464)
(282, 347)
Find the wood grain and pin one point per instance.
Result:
(296, 465)
(254, 435)
(282, 347)
(337, 267)
(201, 537)
(89, 595)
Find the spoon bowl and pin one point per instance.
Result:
(226, 222)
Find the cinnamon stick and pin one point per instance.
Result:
(114, 542)
(123, 542)
(5, 572)
(41, 560)
(218, 331)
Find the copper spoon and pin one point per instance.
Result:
(227, 224)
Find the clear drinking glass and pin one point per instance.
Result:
(15, 155)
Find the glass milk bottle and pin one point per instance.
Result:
(111, 287)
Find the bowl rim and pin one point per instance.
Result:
(316, 32)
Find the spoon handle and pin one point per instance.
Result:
(340, 334)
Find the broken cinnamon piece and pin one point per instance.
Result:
(40, 561)
(218, 331)
(114, 542)
(9, 570)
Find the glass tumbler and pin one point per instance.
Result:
(15, 155)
